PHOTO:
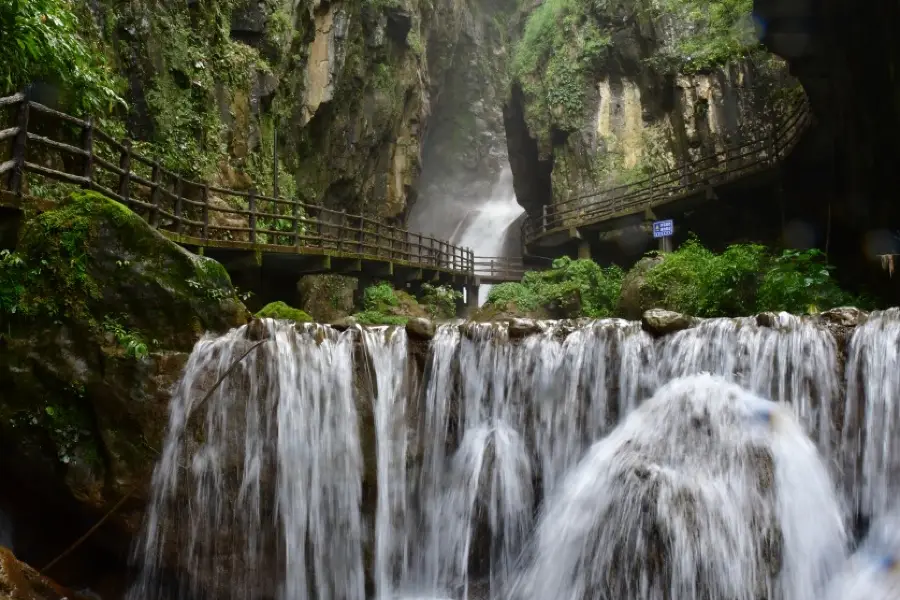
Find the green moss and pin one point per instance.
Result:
(91, 257)
(280, 310)
(383, 305)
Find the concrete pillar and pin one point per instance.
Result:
(472, 296)
(665, 244)
(584, 249)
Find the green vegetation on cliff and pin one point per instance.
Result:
(43, 41)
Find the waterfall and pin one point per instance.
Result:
(387, 351)
(484, 228)
(264, 478)
(871, 444)
(872, 573)
(704, 491)
(367, 464)
(791, 360)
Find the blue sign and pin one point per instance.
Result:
(663, 229)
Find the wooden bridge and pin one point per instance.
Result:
(613, 207)
(238, 228)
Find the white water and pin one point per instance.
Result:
(322, 469)
(871, 445)
(872, 573)
(680, 501)
(483, 229)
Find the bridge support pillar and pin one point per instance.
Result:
(472, 296)
(584, 249)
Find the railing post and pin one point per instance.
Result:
(544, 219)
(178, 204)
(20, 143)
(419, 250)
(87, 144)
(251, 206)
(154, 195)
(125, 175)
(295, 210)
(492, 267)
(360, 238)
(204, 191)
(377, 239)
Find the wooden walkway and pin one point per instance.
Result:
(221, 223)
(559, 220)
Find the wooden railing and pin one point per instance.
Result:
(499, 268)
(195, 213)
(685, 180)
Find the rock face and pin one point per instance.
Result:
(18, 581)
(104, 313)
(337, 93)
(621, 97)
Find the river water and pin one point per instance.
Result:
(587, 460)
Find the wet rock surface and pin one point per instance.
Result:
(658, 321)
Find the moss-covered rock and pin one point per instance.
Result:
(98, 312)
(327, 298)
(280, 310)
(636, 296)
(383, 305)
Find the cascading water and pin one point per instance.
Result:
(791, 360)
(320, 469)
(872, 573)
(264, 498)
(705, 491)
(484, 229)
(871, 441)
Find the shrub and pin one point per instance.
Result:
(571, 288)
(383, 305)
(743, 279)
(439, 301)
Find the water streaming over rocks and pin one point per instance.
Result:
(872, 572)
(321, 468)
(705, 491)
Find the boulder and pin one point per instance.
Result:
(103, 314)
(523, 327)
(421, 328)
(635, 298)
(845, 316)
(18, 581)
(658, 321)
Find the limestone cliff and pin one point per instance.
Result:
(338, 91)
(612, 92)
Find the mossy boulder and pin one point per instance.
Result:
(280, 310)
(327, 298)
(98, 313)
(637, 297)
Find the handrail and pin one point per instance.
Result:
(682, 181)
(195, 213)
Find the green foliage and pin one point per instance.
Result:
(708, 33)
(280, 310)
(560, 46)
(439, 301)
(742, 280)
(132, 342)
(571, 288)
(383, 305)
(42, 41)
(800, 281)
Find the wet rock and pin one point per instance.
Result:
(846, 316)
(658, 321)
(635, 297)
(421, 328)
(767, 319)
(345, 323)
(19, 581)
(523, 327)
